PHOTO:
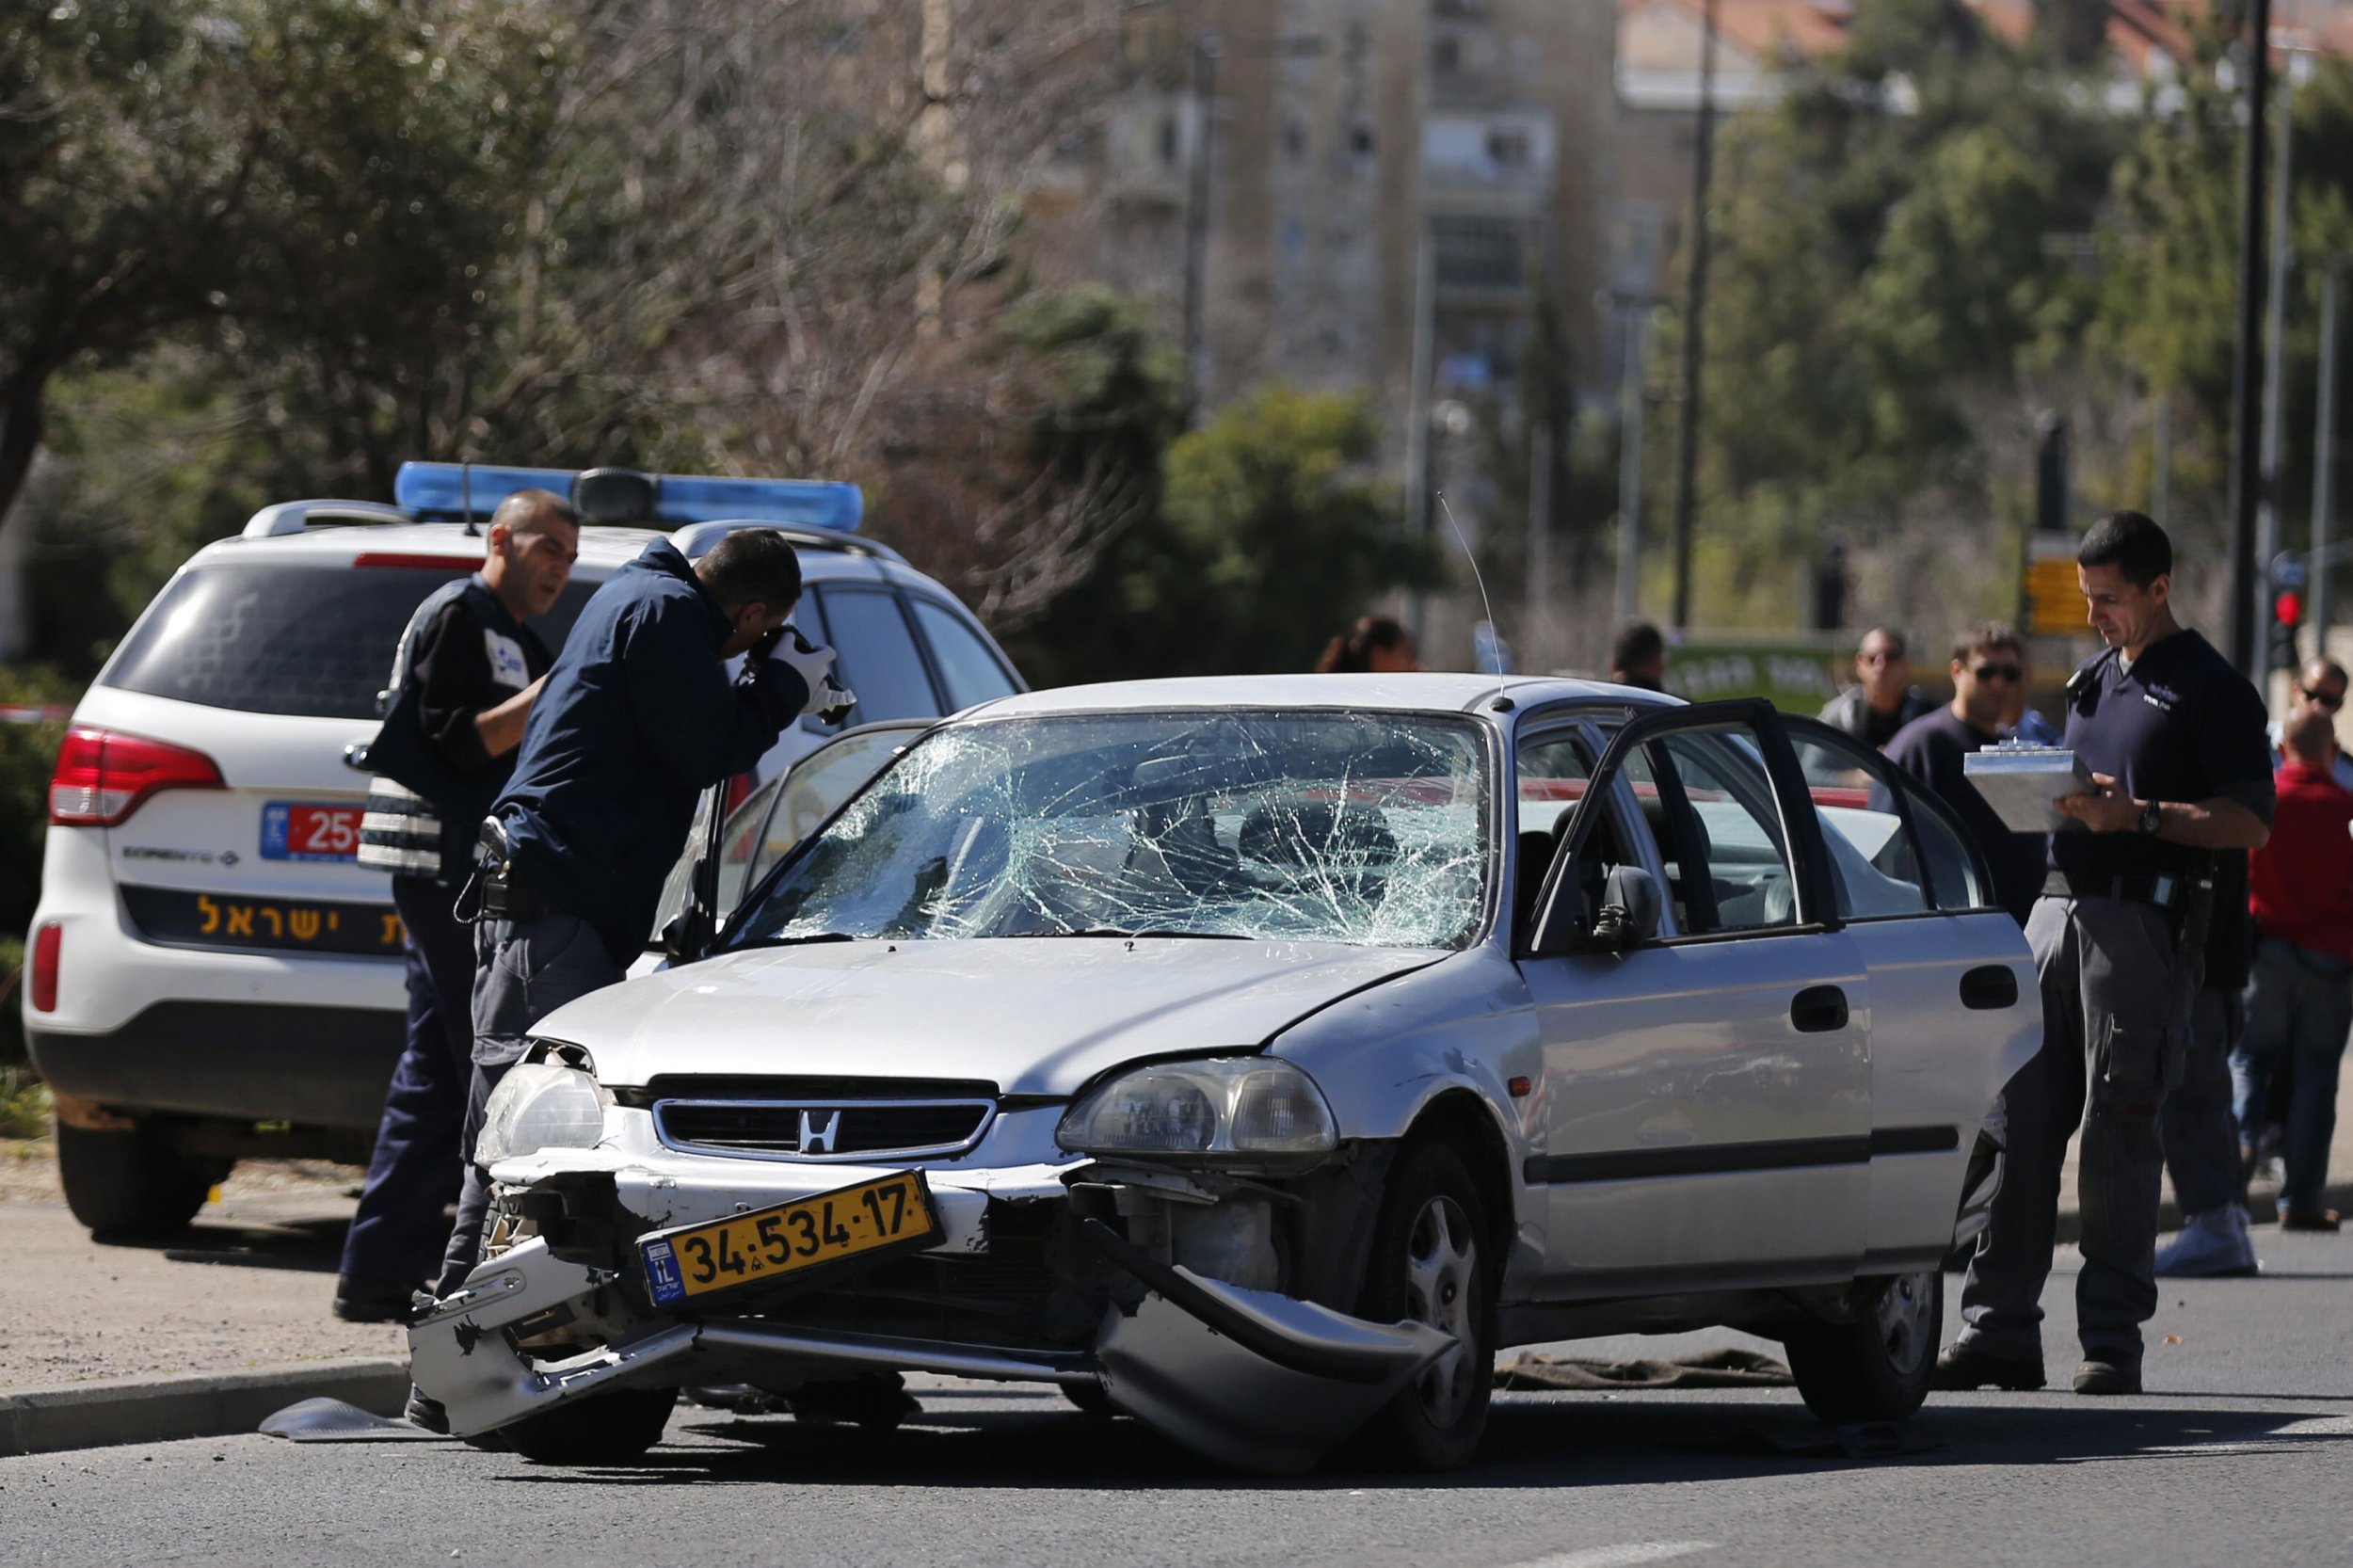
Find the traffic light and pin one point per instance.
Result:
(2288, 614)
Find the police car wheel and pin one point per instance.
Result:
(1878, 1367)
(131, 1184)
(612, 1428)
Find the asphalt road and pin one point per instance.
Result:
(2240, 1452)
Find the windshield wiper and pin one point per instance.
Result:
(1149, 931)
(800, 939)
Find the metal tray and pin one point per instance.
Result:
(2021, 781)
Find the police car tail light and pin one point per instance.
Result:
(104, 777)
(43, 986)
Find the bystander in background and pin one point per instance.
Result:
(1375, 646)
(1885, 699)
(1988, 672)
(2300, 1003)
(1638, 657)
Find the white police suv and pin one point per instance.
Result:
(211, 973)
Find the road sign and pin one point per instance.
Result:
(2287, 571)
(2054, 604)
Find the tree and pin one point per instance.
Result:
(1271, 536)
(321, 169)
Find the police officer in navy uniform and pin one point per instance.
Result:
(464, 678)
(638, 718)
(2175, 739)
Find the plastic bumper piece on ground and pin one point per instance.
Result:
(1249, 1377)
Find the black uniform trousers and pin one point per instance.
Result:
(397, 1235)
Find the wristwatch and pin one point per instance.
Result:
(2151, 817)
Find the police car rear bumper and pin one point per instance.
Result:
(246, 1061)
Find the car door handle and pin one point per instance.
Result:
(1989, 988)
(1818, 1010)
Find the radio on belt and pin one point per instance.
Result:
(2020, 781)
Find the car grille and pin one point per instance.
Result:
(814, 1128)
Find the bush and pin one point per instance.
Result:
(23, 1104)
(28, 753)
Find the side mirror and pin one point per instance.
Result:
(1628, 916)
(688, 934)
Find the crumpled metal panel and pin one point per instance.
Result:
(1170, 1369)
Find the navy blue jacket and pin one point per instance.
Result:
(636, 720)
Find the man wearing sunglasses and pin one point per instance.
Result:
(1988, 670)
(2319, 688)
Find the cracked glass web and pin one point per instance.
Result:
(1341, 827)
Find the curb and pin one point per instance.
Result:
(188, 1404)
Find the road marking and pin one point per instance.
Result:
(1621, 1556)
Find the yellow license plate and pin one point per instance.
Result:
(893, 1213)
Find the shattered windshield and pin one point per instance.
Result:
(1365, 828)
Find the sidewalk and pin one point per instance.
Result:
(202, 1334)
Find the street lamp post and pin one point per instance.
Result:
(2245, 477)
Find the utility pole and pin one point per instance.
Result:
(1630, 384)
(1694, 313)
(1205, 54)
(2324, 455)
(2245, 481)
(2275, 348)
(1539, 530)
(1417, 410)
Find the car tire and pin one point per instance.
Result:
(1433, 1262)
(131, 1185)
(1091, 1399)
(615, 1427)
(1878, 1367)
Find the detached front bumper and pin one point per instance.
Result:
(1252, 1378)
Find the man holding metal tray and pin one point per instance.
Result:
(2173, 767)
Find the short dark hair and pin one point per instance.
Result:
(1985, 637)
(1897, 647)
(1352, 651)
(752, 565)
(1637, 642)
(524, 507)
(2132, 543)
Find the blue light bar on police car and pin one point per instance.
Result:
(455, 489)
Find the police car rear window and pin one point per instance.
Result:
(285, 638)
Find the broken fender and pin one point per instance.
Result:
(1249, 1377)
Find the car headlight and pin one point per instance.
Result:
(541, 1105)
(1217, 1110)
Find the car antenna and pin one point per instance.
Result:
(1496, 640)
(464, 495)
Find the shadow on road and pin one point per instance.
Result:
(1533, 1441)
(307, 1246)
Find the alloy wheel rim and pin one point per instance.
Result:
(1441, 1270)
(1902, 1315)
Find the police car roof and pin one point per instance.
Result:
(347, 533)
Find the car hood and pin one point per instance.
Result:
(1035, 1017)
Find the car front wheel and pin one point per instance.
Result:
(1430, 1264)
(611, 1427)
(1877, 1368)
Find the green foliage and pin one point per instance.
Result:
(24, 1104)
(1271, 535)
(29, 754)
(308, 182)
(1897, 246)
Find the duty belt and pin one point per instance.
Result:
(2167, 892)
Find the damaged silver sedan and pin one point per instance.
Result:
(1257, 1058)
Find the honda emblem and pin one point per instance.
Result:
(817, 1137)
